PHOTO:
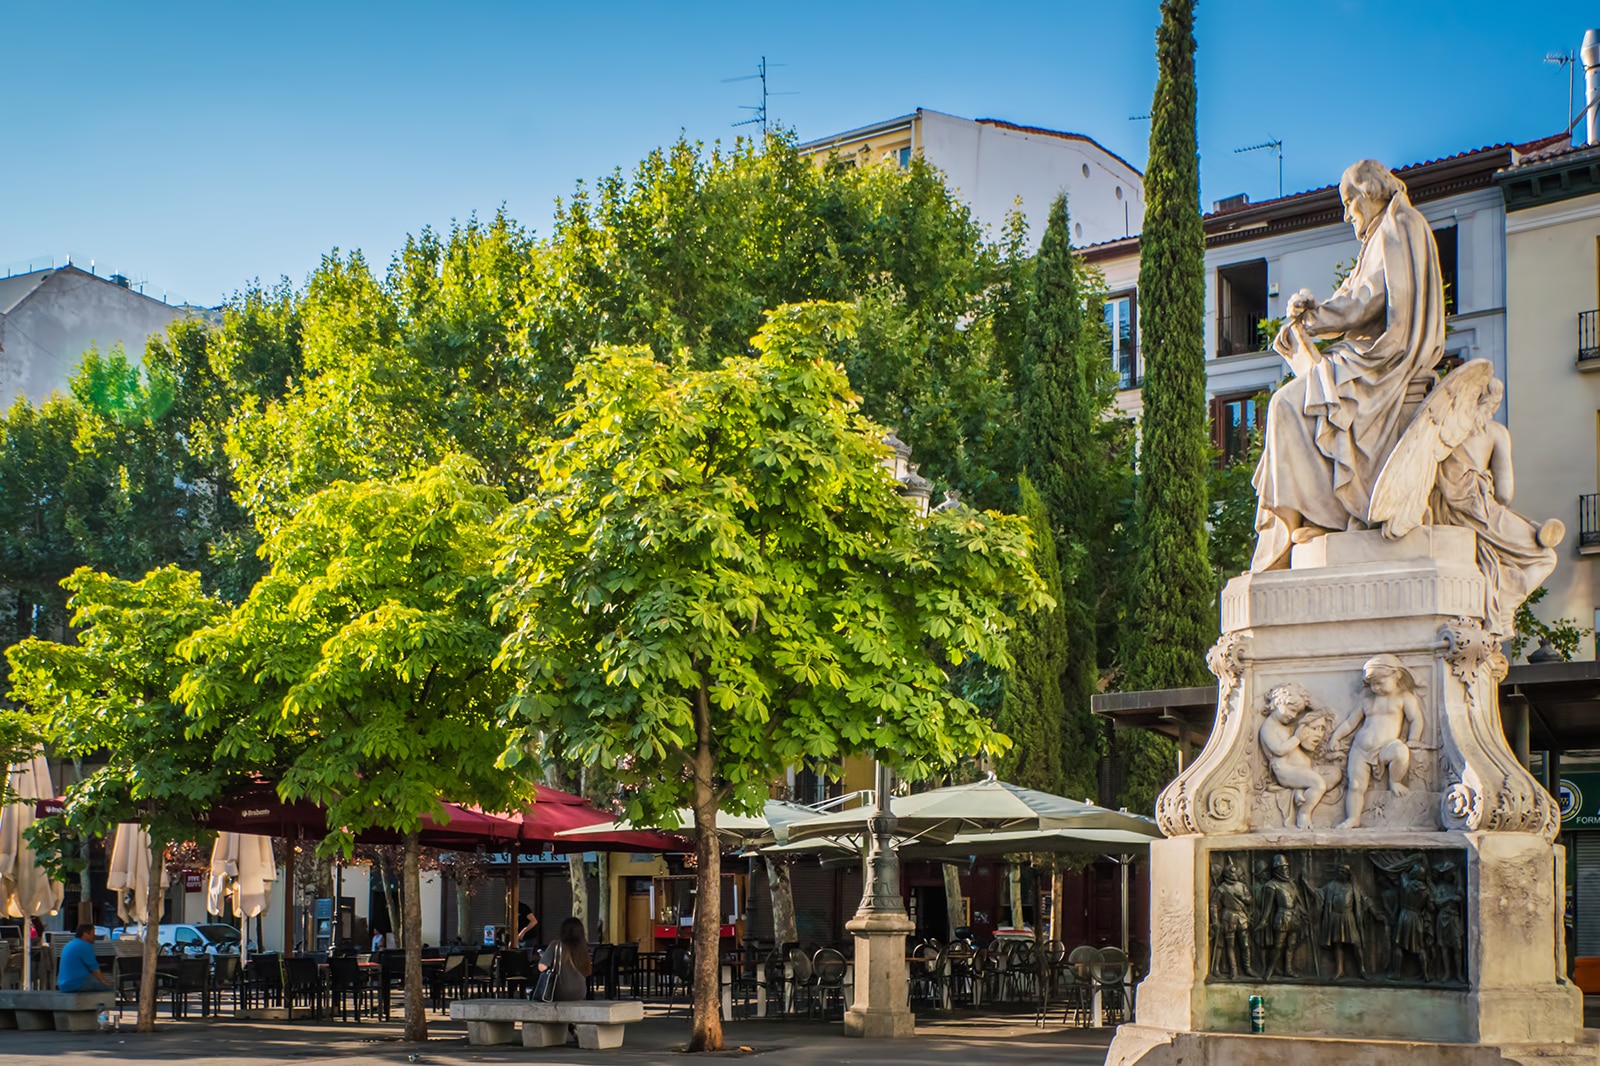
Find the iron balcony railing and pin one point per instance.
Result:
(1589, 520)
(1239, 335)
(1588, 336)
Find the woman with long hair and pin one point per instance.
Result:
(569, 955)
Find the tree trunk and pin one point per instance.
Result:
(463, 909)
(1014, 893)
(85, 891)
(603, 903)
(390, 906)
(152, 938)
(411, 938)
(579, 879)
(780, 886)
(707, 1031)
(955, 913)
(1058, 883)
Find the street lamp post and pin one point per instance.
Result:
(882, 1006)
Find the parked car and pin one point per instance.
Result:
(204, 939)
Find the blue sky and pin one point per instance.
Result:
(200, 145)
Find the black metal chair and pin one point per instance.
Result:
(391, 975)
(189, 976)
(626, 969)
(262, 981)
(802, 979)
(603, 972)
(480, 973)
(451, 977)
(302, 985)
(224, 976)
(1110, 977)
(680, 974)
(514, 975)
(347, 987)
(828, 967)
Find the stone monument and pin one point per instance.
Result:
(1357, 844)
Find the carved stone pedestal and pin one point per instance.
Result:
(882, 1006)
(1356, 844)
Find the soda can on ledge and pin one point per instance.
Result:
(1258, 1015)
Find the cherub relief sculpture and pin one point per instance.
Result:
(1289, 737)
(1453, 468)
(1385, 723)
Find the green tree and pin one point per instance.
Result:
(1065, 402)
(109, 696)
(1033, 711)
(361, 662)
(1172, 619)
(717, 580)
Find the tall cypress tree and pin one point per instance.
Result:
(1173, 620)
(1032, 711)
(1060, 409)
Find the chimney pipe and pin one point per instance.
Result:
(1591, 84)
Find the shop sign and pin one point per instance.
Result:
(194, 881)
(1579, 797)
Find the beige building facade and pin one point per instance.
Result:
(1553, 391)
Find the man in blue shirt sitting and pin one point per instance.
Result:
(80, 970)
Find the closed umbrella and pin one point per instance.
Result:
(128, 875)
(26, 890)
(242, 872)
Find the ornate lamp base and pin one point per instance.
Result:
(882, 1007)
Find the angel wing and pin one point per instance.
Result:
(1400, 495)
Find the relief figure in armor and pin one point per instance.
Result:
(1288, 738)
(1286, 918)
(1231, 906)
(1385, 723)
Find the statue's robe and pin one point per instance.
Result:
(1331, 428)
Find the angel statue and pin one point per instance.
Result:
(1453, 467)
(1289, 738)
(1331, 428)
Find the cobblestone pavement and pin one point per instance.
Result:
(974, 1041)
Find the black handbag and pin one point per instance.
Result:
(544, 990)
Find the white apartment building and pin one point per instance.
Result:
(996, 167)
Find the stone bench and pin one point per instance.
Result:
(599, 1022)
(63, 1011)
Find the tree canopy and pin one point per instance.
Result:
(717, 579)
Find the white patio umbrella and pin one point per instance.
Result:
(128, 875)
(26, 890)
(242, 872)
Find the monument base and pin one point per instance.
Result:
(882, 1007)
(1148, 1045)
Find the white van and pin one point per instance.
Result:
(205, 939)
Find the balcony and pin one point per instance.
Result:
(1241, 335)
(1589, 340)
(1589, 524)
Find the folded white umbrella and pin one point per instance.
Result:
(128, 875)
(242, 872)
(26, 890)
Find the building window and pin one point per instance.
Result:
(1445, 238)
(1241, 305)
(1122, 324)
(1234, 422)
(904, 156)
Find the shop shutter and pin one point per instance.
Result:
(1585, 857)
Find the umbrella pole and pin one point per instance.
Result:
(1124, 861)
(27, 953)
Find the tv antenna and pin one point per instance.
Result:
(1276, 147)
(760, 116)
(1570, 61)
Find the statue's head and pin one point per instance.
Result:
(1286, 702)
(1343, 871)
(1280, 866)
(1366, 189)
(1386, 675)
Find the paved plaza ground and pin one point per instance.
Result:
(974, 1041)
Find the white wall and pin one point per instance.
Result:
(44, 336)
(991, 166)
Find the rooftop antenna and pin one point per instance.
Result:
(1568, 59)
(1276, 146)
(760, 116)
